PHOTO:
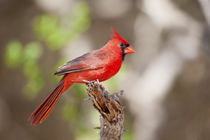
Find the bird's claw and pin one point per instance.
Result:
(86, 81)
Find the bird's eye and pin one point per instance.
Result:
(123, 45)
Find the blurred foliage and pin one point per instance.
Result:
(128, 136)
(14, 53)
(32, 52)
(27, 57)
(70, 112)
(81, 89)
(31, 69)
(55, 32)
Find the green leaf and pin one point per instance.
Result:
(32, 52)
(45, 25)
(31, 69)
(13, 55)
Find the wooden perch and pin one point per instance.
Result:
(112, 116)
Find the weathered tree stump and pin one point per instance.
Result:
(112, 116)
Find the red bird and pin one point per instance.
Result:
(99, 64)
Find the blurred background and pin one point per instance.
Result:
(166, 82)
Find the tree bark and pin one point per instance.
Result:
(111, 112)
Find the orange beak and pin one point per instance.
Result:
(129, 50)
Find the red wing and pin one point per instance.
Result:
(88, 61)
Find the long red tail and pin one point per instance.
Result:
(42, 112)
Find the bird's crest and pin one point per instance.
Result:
(117, 36)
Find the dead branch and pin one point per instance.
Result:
(112, 116)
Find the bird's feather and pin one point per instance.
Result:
(88, 61)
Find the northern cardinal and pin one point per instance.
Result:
(99, 64)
